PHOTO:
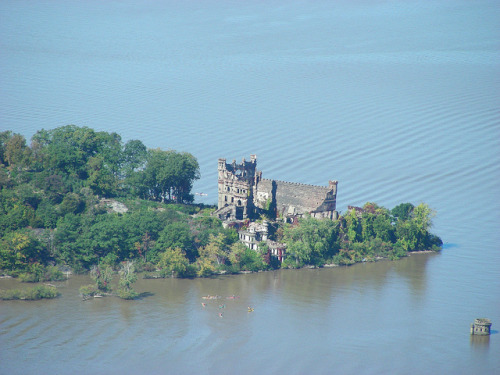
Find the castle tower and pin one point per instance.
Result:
(235, 186)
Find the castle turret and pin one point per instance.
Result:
(235, 185)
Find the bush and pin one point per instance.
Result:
(10, 294)
(53, 273)
(31, 294)
(87, 291)
(36, 273)
(27, 277)
(125, 293)
(189, 273)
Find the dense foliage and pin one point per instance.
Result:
(85, 199)
(53, 208)
(363, 234)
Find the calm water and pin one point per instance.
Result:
(398, 101)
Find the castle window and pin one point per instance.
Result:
(225, 198)
(239, 202)
(232, 199)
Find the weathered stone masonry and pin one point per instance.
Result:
(243, 193)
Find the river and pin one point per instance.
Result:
(398, 101)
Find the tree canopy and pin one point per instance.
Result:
(55, 196)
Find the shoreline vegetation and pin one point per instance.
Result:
(77, 200)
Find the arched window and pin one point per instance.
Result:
(239, 202)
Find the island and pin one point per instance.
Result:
(76, 200)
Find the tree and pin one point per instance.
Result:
(402, 211)
(423, 215)
(250, 260)
(144, 246)
(311, 241)
(187, 171)
(19, 249)
(16, 151)
(213, 255)
(383, 228)
(100, 178)
(128, 276)
(102, 276)
(177, 235)
(236, 253)
(354, 228)
(4, 139)
(169, 175)
(134, 157)
(69, 150)
(173, 262)
(71, 204)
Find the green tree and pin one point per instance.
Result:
(236, 252)
(383, 228)
(4, 139)
(101, 178)
(354, 228)
(169, 175)
(251, 260)
(16, 152)
(177, 235)
(71, 203)
(102, 276)
(213, 255)
(70, 150)
(128, 276)
(402, 211)
(19, 249)
(186, 170)
(312, 241)
(134, 157)
(174, 262)
(423, 215)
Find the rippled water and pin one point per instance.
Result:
(398, 101)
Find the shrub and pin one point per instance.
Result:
(87, 291)
(37, 272)
(10, 294)
(53, 273)
(31, 294)
(125, 293)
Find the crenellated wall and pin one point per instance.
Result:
(295, 198)
(242, 187)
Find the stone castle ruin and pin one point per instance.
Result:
(243, 194)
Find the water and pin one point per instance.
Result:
(398, 101)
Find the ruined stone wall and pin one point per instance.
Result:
(294, 198)
(241, 187)
(263, 193)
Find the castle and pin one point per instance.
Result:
(243, 194)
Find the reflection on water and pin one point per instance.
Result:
(303, 319)
(480, 343)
